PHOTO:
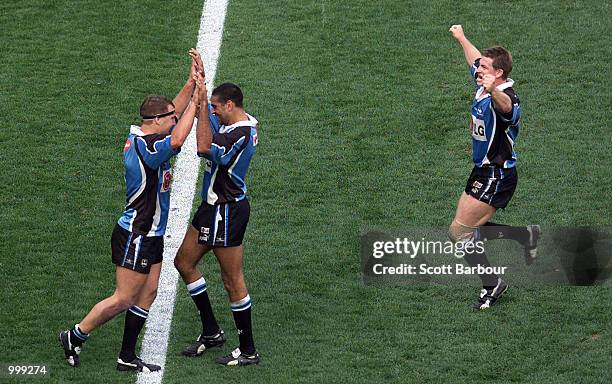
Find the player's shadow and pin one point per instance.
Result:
(585, 254)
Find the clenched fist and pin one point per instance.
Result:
(488, 82)
(457, 31)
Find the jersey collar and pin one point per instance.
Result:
(251, 122)
(134, 129)
(509, 83)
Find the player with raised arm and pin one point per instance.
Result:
(494, 126)
(226, 138)
(137, 240)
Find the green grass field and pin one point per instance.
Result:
(364, 110)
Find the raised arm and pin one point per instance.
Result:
(184, 96)
(469, 50)
(185, 123)
(183, 127)
(501, 101)
(203, 130)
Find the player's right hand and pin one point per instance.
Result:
(457, 31)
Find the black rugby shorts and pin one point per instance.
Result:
(492, 185)
(222, 225)
(136, 252)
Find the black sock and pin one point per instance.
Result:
(135, 318)
(78, 337)
(198, 293)
(493, 231)
(241, 310)
(475, 258)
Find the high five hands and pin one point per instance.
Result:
(196, 63)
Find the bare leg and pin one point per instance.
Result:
(129, 285)
(472, 212)
(189, 255)
(230, 260)
(149, 290)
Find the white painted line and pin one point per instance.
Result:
(186, 167)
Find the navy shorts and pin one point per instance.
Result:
(136, 252)
(492, 185)
(222, 225)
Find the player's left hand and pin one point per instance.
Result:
(488, 82)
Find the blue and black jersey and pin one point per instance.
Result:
(228, 161)
(493, 132)
(147, 178)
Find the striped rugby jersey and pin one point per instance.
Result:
(147, 179)
(493, 132)
(227, 163)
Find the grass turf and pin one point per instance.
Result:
(363, 109)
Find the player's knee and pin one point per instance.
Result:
(182, 263)
(178, 262)
(124, 301)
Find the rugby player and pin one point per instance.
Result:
(494, 126)
(226, 139)
(137, 240)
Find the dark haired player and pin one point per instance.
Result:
(137, 240)
(226, 137)
(494, 127)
